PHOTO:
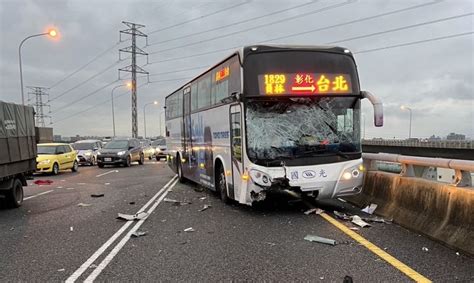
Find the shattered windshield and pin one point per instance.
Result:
(302, 127)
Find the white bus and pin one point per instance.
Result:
(271, 118)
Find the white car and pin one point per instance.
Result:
(160, 149)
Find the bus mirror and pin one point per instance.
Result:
(235, 96)
(378, 107)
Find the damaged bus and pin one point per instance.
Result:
(271, 118)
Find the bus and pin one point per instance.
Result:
(271, 118)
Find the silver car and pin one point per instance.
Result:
(87, 151)
(160, 149)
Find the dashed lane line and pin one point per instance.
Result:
(111, 171)
(114, 237)
(37, 195)
(408, 271)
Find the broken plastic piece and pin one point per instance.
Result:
(176, 202)
(370, 208)
(190, 229)
(341, 215)
(137, 234)
(321, 240)
(203, 198)
(84, 204)
(130, 217)
(425, 249)
(359, 222)
(132, 202)
(206, 206)
(314, 210)
(97, 195)
(354, 228)
(71, 228)
(61, 270)
(347, 279)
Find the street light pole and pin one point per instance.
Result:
(51, 33)
(144, 115)
(403, 107)
(113, 108)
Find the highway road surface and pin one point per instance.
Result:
(62, 233)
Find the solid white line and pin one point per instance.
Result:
(125, 239)
(103, 174)
(40, 194)
(110, 241)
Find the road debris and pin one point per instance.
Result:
(359, 222)
(199, 189)
(97, 195)
(425, 249)
(347, 279)
(61, 270)
(341, 215)
(59, 187)
(71, 229)
(130, 217)
(340, 199)
(370, 208)
(354, 228)
(314, 210)
(206, 206)
(137, 234)
(202, 198)
(131, 203)
(43, 182)
(107, 184)
(457, 253)
(190, 229)
(92, 266)
(270, 244)
(313, 238)
(176, 202)
(83, 204)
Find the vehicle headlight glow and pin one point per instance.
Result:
(98, 153)
(346, 176)
(260, 178)
(87, 154)
(121, 153)
(46, 161)
(158, 149)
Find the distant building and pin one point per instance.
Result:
(434, 138)
(456, 137)
(57, 138)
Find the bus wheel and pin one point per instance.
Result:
(180, 172)
(221, 185)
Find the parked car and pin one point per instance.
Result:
(53, 157)
(148, 150)
(87, 151)
(160, 149)
(120, 152)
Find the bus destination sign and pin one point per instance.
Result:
(222, 74)
(304, 84)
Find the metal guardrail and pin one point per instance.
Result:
(425, 167)
(466, 144)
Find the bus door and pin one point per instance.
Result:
(236, 150)
(187, 144)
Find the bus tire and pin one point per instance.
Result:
(180, 171)
(221, 184)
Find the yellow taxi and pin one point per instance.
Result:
(53, 157)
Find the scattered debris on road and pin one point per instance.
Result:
(71, 229)
(61, 270)
(199, 189)
(347, 279)
(206, 206)
(457, 253)
(43, 182)
(425, 249)
(354, 228)
(59, 187)
(176, 202)
(202, 198)
(270, 244)
(190, 229)
(107, 184)
(131, 203)
(314, 210)
(313, 238)
(92, 266)
(130, 217)
(341, 215)
(97, 195)
(137, 234)
(370, 208)
(340, 199)
(359, 222)
(83, 204)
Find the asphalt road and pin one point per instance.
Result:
(51, 238)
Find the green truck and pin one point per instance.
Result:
(17, 150)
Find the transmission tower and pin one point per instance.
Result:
(39, 104)
(133, 30)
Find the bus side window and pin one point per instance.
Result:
(236, 136)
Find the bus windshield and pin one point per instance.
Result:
(297, 128)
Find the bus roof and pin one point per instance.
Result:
(244, 51)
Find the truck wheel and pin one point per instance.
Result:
(75, 167)
(141, 161)
(55, 170)
(15, 195)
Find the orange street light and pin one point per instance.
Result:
(53, 32)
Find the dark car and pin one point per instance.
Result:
(120, 152)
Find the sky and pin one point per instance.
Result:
(413, 53)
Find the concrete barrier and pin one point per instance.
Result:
(440, 211)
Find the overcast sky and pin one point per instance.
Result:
(434, 78)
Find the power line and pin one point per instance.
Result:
(305, 32)
(85, 65)
(199, 18)
(236, 23)
(85, 81)
(347, 2)
(414, 42)
(177, 71)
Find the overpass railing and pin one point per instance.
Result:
(462, 144)
(424, 167)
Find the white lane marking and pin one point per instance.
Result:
(125, 239)
(111, 171)
(109, 242)
(40, 194)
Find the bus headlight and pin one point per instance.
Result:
(260, 178)
(347, 176)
